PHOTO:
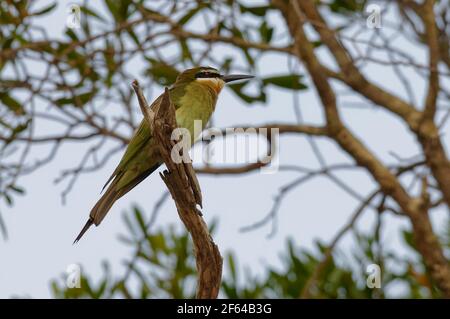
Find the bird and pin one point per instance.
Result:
(194, 95)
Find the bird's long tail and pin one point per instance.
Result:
(112, 194)
(100, 209)
(85, 228)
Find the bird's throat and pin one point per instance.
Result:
(215, 84)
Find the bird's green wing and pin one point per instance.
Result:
(140, 138)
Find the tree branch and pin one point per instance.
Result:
(421, 123)
(432, 39)
(425, 239)
(183, 185)
(350, 73)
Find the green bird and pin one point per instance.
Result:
(194, 95)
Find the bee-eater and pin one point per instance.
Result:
(194, 95)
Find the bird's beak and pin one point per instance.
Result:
(235, 77)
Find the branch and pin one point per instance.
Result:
(210, 37)
(420, 123)
(183, 185)
(240, 170)
(433, 52)
(268, 129)
(425, 239)
(350, 73)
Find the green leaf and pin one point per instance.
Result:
(140, 220)
(7, 43)
(191, 13)
(120, 10)
(237, 33)
(101, 289)
(408, 238)
(45, 10)
(17, 189)
(77, 100)
(6, 124)
(291, 81)
(237, 89)
(162, 73)
(259, 11)
(249, 57)
(129, 225)
(317, 43)
(7, 18)
(8, 199)
(21, 127)
(110, 62)
(72, 35)
(12, 104)
(14, 132)
(347, 6)
(266, 32)
(113, 7)
(185, 50)
(133, 36)
(232, 266)
(92, 13)
(226, 65)
(3, 229)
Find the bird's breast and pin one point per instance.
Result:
(197, 104)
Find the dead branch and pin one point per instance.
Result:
(183, 185)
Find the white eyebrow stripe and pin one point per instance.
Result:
(211, 80)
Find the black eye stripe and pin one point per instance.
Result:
(206, 74)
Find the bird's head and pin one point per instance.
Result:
(209, 76)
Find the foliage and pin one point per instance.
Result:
(164, 267)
